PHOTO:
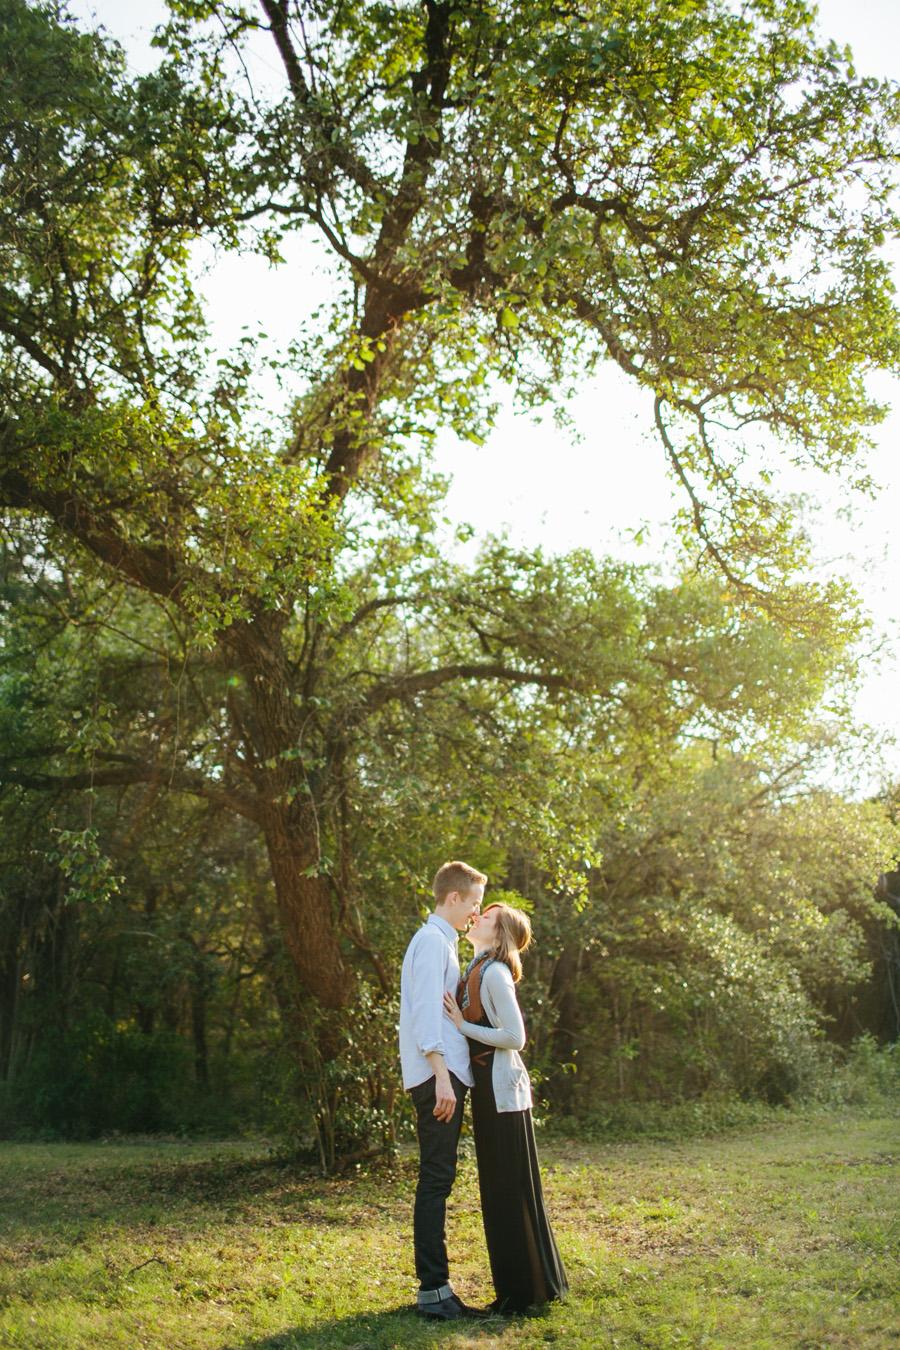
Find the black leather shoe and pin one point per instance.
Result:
(447, 1309)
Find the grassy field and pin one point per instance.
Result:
(783, 1236)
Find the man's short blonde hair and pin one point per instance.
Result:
(455, 876)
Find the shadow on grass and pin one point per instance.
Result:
(381, 1331)
(121, 1190)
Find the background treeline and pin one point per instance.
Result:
(709, 918)
(255, 687)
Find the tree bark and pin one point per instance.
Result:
(304, 908)
(270, 721)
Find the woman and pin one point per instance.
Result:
(525, 1263)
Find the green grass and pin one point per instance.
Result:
(778, 1236)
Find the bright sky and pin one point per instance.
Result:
(546, 486)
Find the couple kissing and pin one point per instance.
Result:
(461, 1032)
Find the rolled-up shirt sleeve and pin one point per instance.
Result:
(427, 996)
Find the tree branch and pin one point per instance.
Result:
(14, 330)
(329, 131)
(152, 567)
(387, 303)
(698, 511)
(405, 686)
(370, 607)
(180, 780)
(589, 313)
(429, 84)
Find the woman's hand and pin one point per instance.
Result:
(451, 1008)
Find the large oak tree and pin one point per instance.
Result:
(507, 191)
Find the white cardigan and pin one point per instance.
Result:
(512, 1086)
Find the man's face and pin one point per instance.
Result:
(462, 906)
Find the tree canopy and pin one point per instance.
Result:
(507, 193)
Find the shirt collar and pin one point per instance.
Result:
(447, 929)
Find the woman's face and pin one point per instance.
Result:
(484, 929)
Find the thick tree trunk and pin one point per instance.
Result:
(271, 720)
(276, 726)
(314, 1040)
(304, 910)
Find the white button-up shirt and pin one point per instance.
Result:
(430, 967)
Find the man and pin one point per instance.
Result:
(435, 1060)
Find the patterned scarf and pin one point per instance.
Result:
(463, 999)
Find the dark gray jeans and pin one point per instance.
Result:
(438, 1142)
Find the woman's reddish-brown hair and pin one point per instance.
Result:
(513, 937)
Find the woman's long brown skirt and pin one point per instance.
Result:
(525, 1264)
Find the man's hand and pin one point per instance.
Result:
(445, 1097)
